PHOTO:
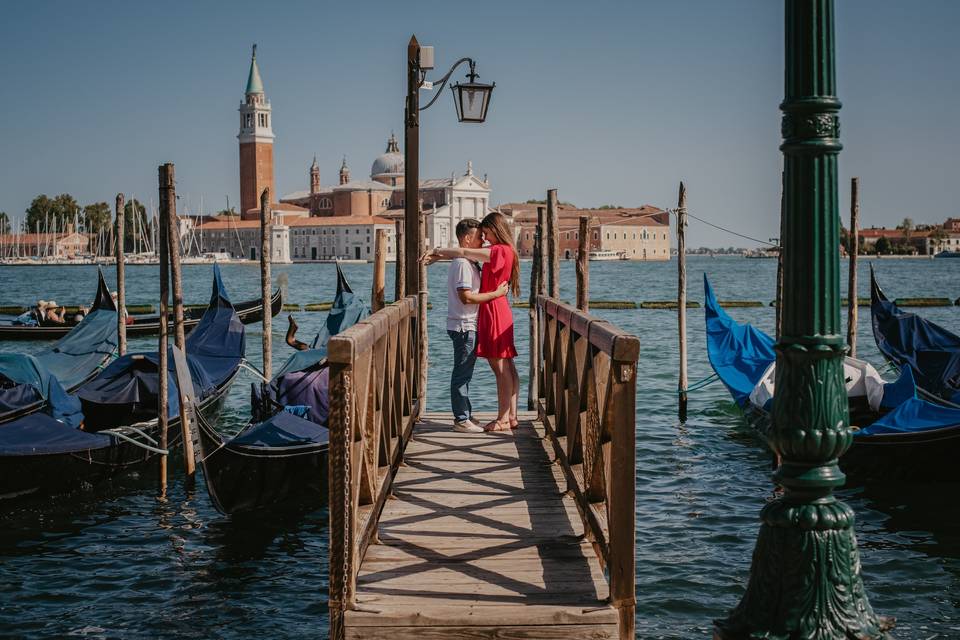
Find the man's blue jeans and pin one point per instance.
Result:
(464, 358)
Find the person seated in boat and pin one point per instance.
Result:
(292, 335)
(127, 318)
(50, 313)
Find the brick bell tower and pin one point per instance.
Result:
(256, 143)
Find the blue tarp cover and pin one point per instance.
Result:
(899, 391)
(932, 352)
(39, 433)
(213, 351)
(739, 353)
(282, 430)
(913, 416)
(29, 372)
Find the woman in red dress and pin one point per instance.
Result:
(494, 317)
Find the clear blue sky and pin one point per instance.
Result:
(609, 102)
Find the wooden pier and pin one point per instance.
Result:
(438, 534)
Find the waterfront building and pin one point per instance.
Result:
(45, 245)
(641, 233)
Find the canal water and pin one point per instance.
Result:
(114, 562)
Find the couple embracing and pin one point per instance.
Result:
(484, 268)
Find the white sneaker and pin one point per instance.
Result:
(466, 426)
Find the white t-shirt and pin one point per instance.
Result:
(462, 274)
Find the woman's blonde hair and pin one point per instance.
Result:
(495, 225)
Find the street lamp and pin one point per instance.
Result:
(471, 100)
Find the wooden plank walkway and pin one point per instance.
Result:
(480, 540)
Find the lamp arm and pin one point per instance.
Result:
(443, 80)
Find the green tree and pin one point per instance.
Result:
(610, 206)
(131, 230)
(4, 222)
(227, 212)
(51, 214)
(907, 227)
(883, 245)
(937, 236)
(97, 217)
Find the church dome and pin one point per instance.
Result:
(389, 164)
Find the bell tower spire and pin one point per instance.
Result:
(256, 142)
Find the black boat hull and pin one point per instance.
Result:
(34, 475)
(248, 312)
(921, 456)
(243, 479)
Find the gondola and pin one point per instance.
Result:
(118, 427)
(895, 433)
(279, 460)
(29, 382)
(142, 325)
(931, 352)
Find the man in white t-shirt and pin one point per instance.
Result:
(463, 284)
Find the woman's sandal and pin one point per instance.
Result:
(496, 425)
(514, 424)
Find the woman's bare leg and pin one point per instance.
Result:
(504, 383)
(515, 391)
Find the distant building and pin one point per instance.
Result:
(641, 233)
(40, 245)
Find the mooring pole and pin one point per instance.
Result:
(166, 188)
(805, 576)
(265, 282)
(173, 255)
(399, 284)
(422, 296)
(553, 244)
(543, 231)
(583, 265)
(379, 270)
(854, 249)
(533, 387)
(121, 281)
(682, 297)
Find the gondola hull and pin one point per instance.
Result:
(248, 312)
(245, 479)
(50, 474)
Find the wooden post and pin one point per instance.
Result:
(166, 186)
(399, 286)
(854, 249)
(533, 388)
(583, 265)
(553, 244)
(265, 282)
(542, 251)
(682, 296)
(173, 255)
(779, 302)
(379, 270)
(121, 281)
(422, 294)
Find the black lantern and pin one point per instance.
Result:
(472, 98)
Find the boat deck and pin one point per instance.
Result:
(480, 540)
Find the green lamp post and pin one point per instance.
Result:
(805, 574)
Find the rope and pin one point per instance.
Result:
(700, 384)
(730, 231)
(137, 443)
(252, 369)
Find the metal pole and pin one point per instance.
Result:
(805, 578)
(413, 244)
(854, 249)
(121, 281)
(162, 405)
(379, 270)
(173, 254)
(583, 265)
(399, 280)
(422, 297)
(553, 244)
(265, 281)
(779, 302)
(682, 296)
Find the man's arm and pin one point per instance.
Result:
(472, 297)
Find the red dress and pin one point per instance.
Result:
(495, 318)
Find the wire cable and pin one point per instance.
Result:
(730, 231)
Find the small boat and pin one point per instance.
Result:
(280, 458)
(894, 432)
(605, 254)
(931, 352)
(28, 383)
(948, 254)
(118, 429)
(143, 325)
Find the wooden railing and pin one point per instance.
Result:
(587, 402)
(373, 407)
